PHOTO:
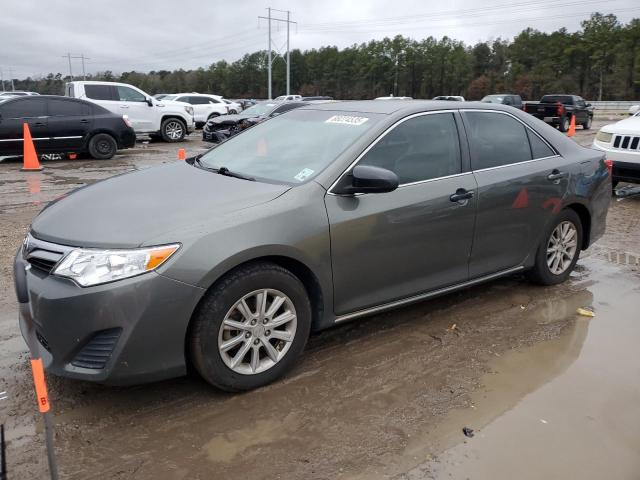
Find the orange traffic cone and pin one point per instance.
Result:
(182, 154)
(30, 158)
(572, 127)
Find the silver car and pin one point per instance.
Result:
(316, 217)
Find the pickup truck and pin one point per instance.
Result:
(557, 110)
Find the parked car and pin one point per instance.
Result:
(17, 93)
(219, 129)
(450, 98)
(62, 125)
(391, 97)
(204, 106)
(245, 103)
(288, 98)
(505, 99)
(557, 110)
(621, 143)
(234, 107)
(317, 97)
(160, 118)
(326, 214)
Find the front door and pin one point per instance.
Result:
(521, 183)
(134, 104)
(15, 113)
(389, 246)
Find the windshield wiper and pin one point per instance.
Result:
(222, 171)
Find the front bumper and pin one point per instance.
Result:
(626, 164)
(124, 332)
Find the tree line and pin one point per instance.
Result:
(601, 61)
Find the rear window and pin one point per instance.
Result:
(564, 99)
(67, 108)
(101, 92)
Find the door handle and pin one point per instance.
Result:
(556, 175)
(84, 120)
(461, 195)
(124, 106)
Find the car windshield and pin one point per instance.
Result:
(291, 148)
(493, 99)
(260, 109)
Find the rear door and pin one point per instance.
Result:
(521, 183)
(389, 246)
(13, 114)
(70, 122)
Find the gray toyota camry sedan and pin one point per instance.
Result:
(322, 215)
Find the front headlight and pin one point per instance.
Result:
(92, 267)
(604, 137)
(189, 110)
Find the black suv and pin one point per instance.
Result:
(62, 125)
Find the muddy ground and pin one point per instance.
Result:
(549, 394)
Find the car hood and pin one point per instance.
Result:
(627, 126)
(128, 210)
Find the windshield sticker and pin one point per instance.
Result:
(347, 120)
(304, 174)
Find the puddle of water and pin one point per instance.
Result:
(582, 422)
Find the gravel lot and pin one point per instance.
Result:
(549, 394)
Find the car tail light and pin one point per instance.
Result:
(560, 109)
(609, 164)
(127, 122)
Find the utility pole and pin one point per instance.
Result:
(68, 55)
(288, 21)
(13, 88)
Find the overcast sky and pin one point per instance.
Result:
(121, 35)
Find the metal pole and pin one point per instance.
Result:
(2, 80)
(70, 72)
(84, 75)
(13, 88)
(288, 68)
(269, 88)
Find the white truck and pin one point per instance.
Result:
(169, 120)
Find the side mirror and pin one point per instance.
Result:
(368, 179)
(150, 101)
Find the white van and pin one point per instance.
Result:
(167, 119)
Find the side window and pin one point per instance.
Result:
(126, 94)
(508, 100)
(496, 139)
(199, 101)
(100, 92)
(65, 108)
(539, 148)
(24, 108)
(420, 148)
(183, 99)
(214, 100)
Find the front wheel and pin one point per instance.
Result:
(587, 125)
(559, 250)
(173, 130)
(102, 146)
(251, 327)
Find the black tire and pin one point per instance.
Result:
(541, 272)
(563, 126)
(173, 130)
(210, 314)
(587, 125)
(102, 146)
(213, 115)
(614, 184)
(233, 112)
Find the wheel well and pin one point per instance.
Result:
(585, 220)
(176, 117)
(299, 269)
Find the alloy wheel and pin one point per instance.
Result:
(562, 247)
(257, 331)
(174, 130)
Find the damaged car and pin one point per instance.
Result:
(218, 129)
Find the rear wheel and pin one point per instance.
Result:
(559, 250)
(564, 124)
(251, 327)
(102, 146)
(587, 125)
(173, 130)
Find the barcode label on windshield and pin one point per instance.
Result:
(347, 120)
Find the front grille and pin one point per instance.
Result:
(626, 142)
(42, 264)
(96, 353)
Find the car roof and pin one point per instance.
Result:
(389, 107)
